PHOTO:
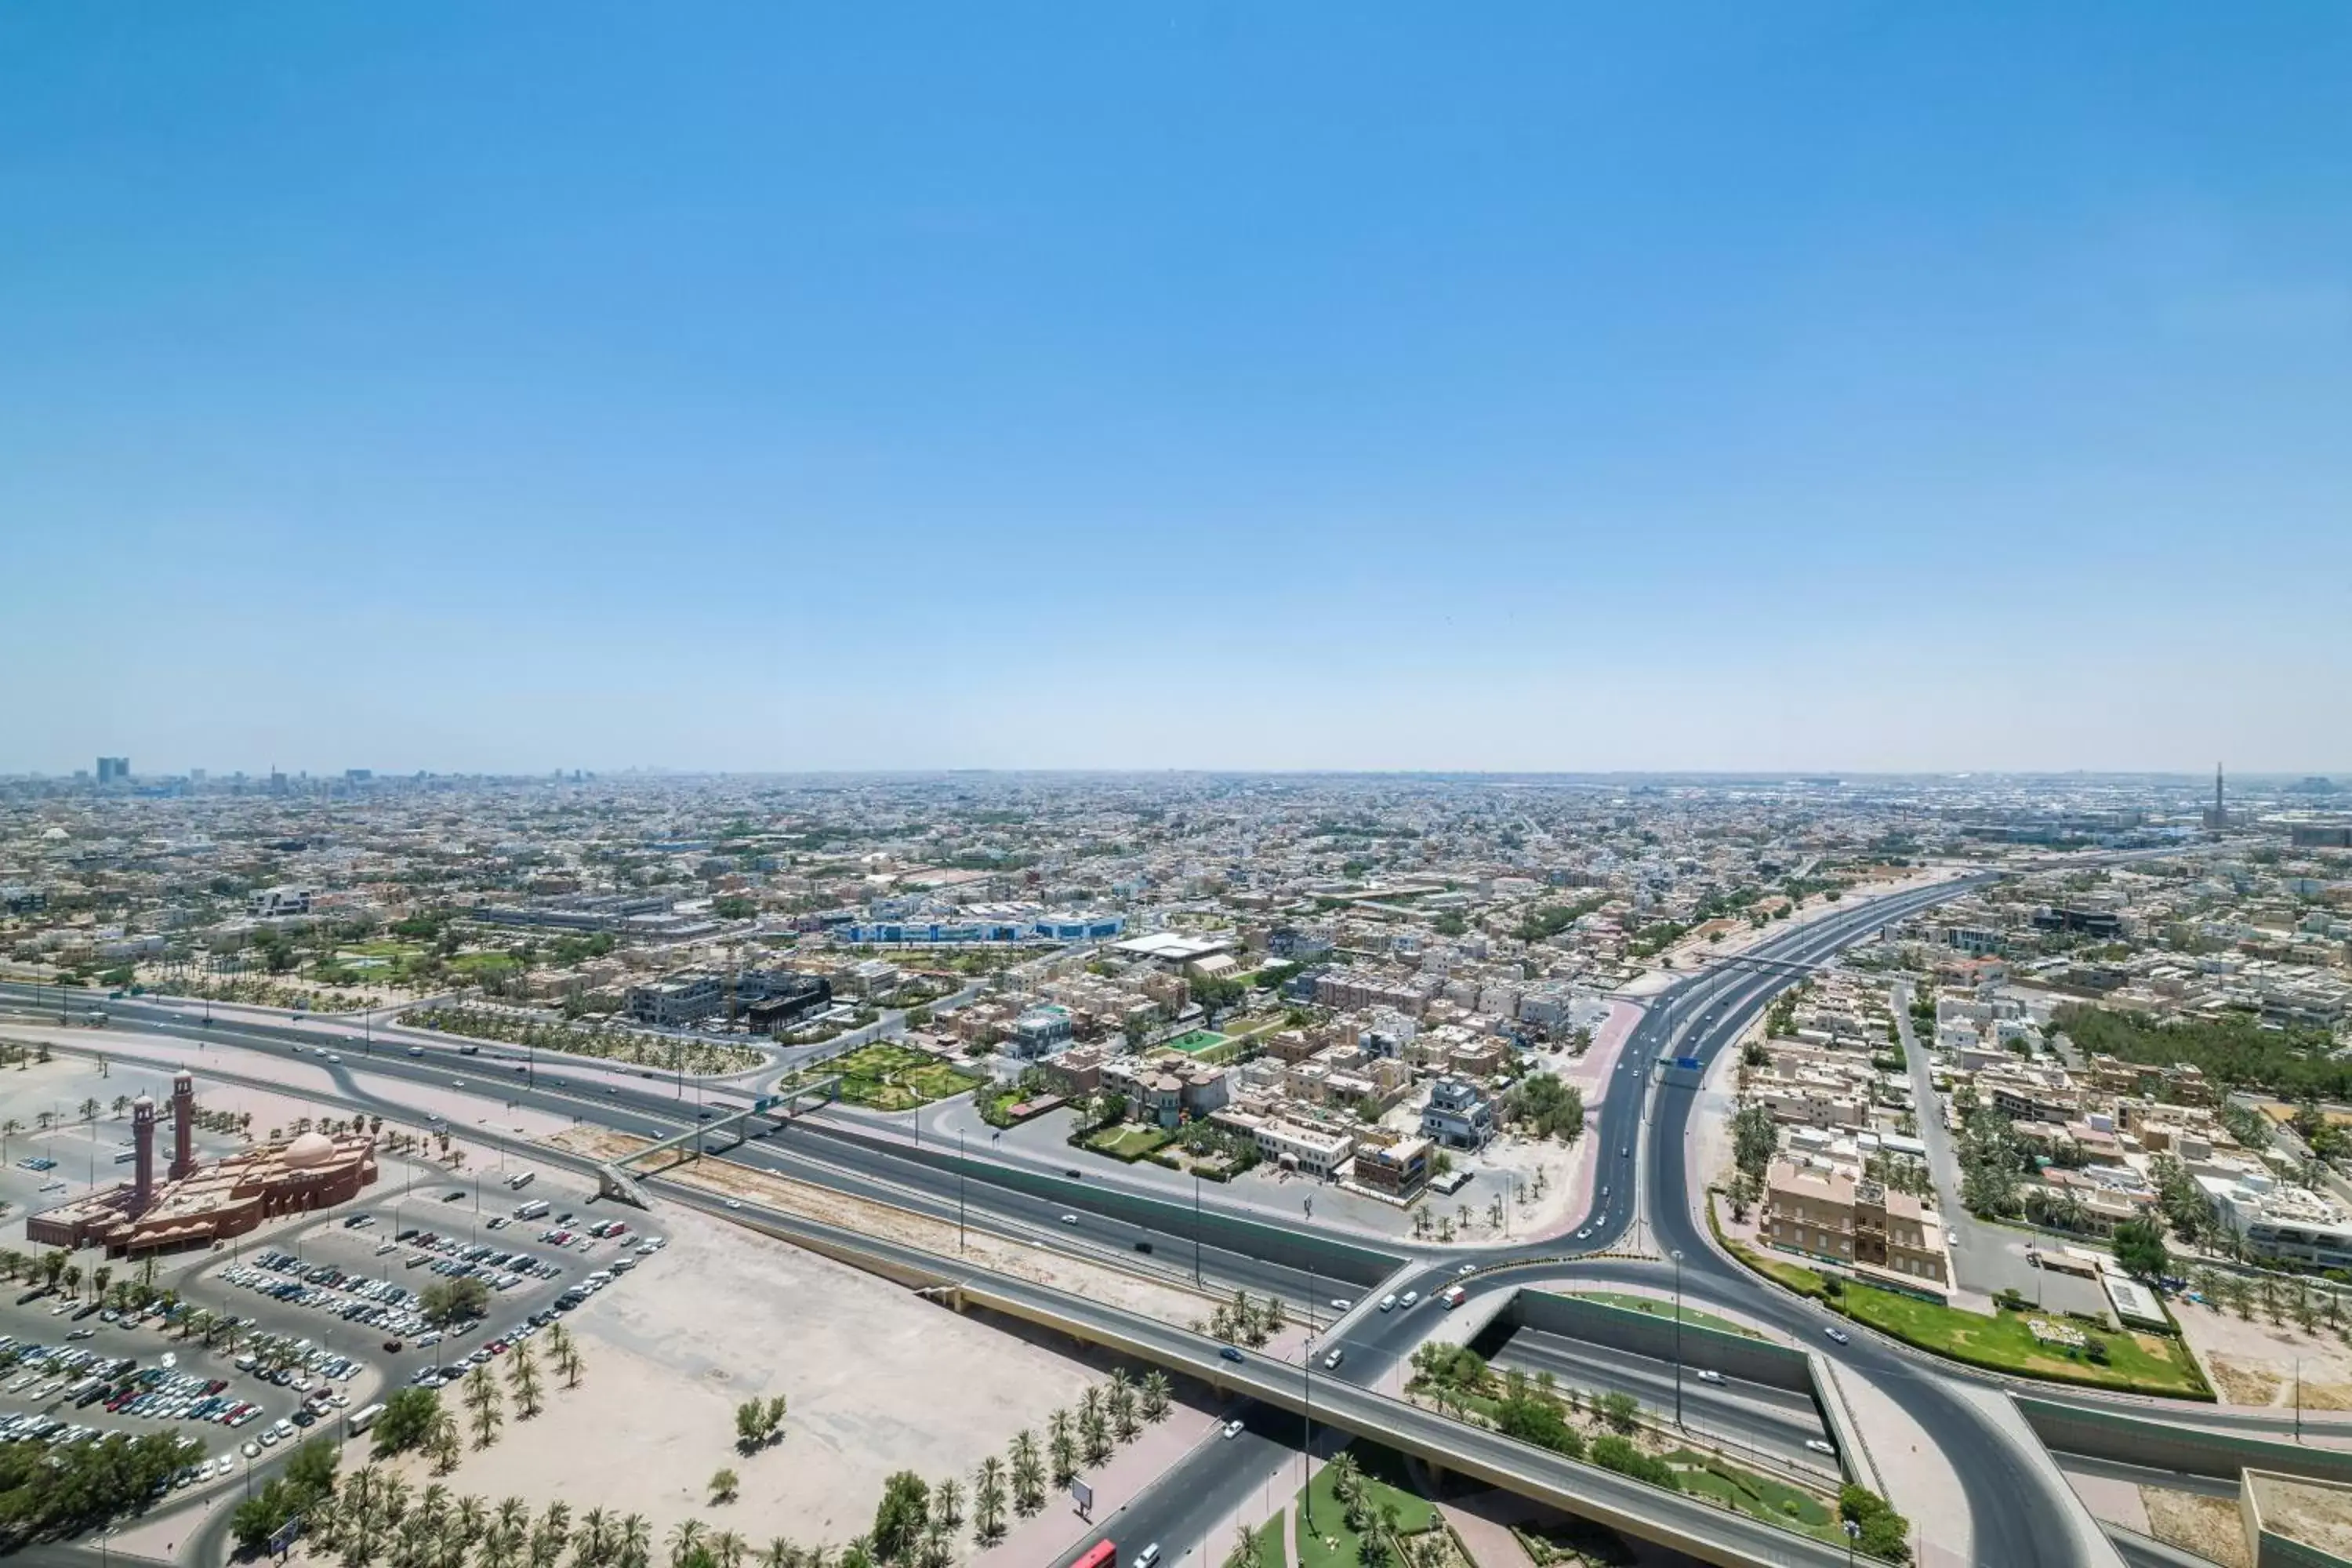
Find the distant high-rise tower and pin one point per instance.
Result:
(113, 770)
(183, 1126)
(142, 1140)
(2219, 817)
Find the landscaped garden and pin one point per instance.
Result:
(1355, 1495)
(887, 1077)
(1758, 1496)
(2005, 1341)
(1129, 1141)
(1194, 1041)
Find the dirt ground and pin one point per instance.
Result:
(2309, 1513)
(2255, 1362)
(2208, 1526)
(1166, 1300)
(878, 1380)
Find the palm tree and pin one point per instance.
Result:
(1094, 1427)
(683, 1537)
(482, 1398)
(779, 1554)
(1059, 1450)
(471, 1521)
(1156, 1396)
(988, 1501)
(522, 1374)
(728, 1548)
(1120, 1406)
(593, 1544)
(1028, 1475)
(636, 1545)
(947, 1503)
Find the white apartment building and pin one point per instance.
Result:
(2281, 1220)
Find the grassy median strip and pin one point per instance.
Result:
(1757, 1496)
(1692, 1317)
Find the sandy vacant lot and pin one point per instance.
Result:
(878, 1380)
(2255, 1362)
(2208, 1526)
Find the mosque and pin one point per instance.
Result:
(198, 1205)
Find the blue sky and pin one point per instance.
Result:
(771, 386)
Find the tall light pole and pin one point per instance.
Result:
(958, 1189)
(1196, 1227)
(1678, 1336)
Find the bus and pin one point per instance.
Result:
(523, 1180)
(1101, 1554)
(364, 1419)
(532, 1210)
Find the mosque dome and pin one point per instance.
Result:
(309, 1150)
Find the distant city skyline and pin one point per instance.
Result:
(1683, 387)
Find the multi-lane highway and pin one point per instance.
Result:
(1640, 1133)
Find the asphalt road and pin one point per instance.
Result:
(2013, 1519)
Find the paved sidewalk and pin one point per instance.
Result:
(1132, 1469)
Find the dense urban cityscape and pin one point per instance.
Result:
(1231, 1159)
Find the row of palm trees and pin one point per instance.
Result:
(612, 1040)
(1243, 1320)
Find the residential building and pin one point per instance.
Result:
(1457, 1115)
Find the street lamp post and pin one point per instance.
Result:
(1853, 1534)
(1678, 1336)
(958, 1189)
(1196, 1227)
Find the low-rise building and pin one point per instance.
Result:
(1882, 1234)
(1457, 1115)
(674, 1001)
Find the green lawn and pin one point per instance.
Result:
(484, 965)
(1381, 1472)
(1197, 1040)
(884, 1077)
(1270, 1553)
(1758, 1496)
(1692, 1316)
(2140, 1364)
(1130, 1140)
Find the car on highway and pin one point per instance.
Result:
(1229, 1353)
(1069, 1219)
(1840, 1335)
(1626, 1152)
(1708, 1375)
(1466, 1270)
(1585, 1232)
(734, 1203)
(1409, 1298)
(334, 1058)
(1341, 1303)
(1148, 1556)
(1388, 1302)
(1335, 1357)
(416, 1051)
(1233, 1429)
(1818, 1446)
(1073, 1173)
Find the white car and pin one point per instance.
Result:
(1069, 1219)
(1708, 1375)
(1388, 1302)
(252, 1450)
(1232, 1428)
(1818, 1446)
(1341, 1303)
(1409, 1298)
(1466, 1270)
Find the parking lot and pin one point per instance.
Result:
(371, 1269)
(74, 1372)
